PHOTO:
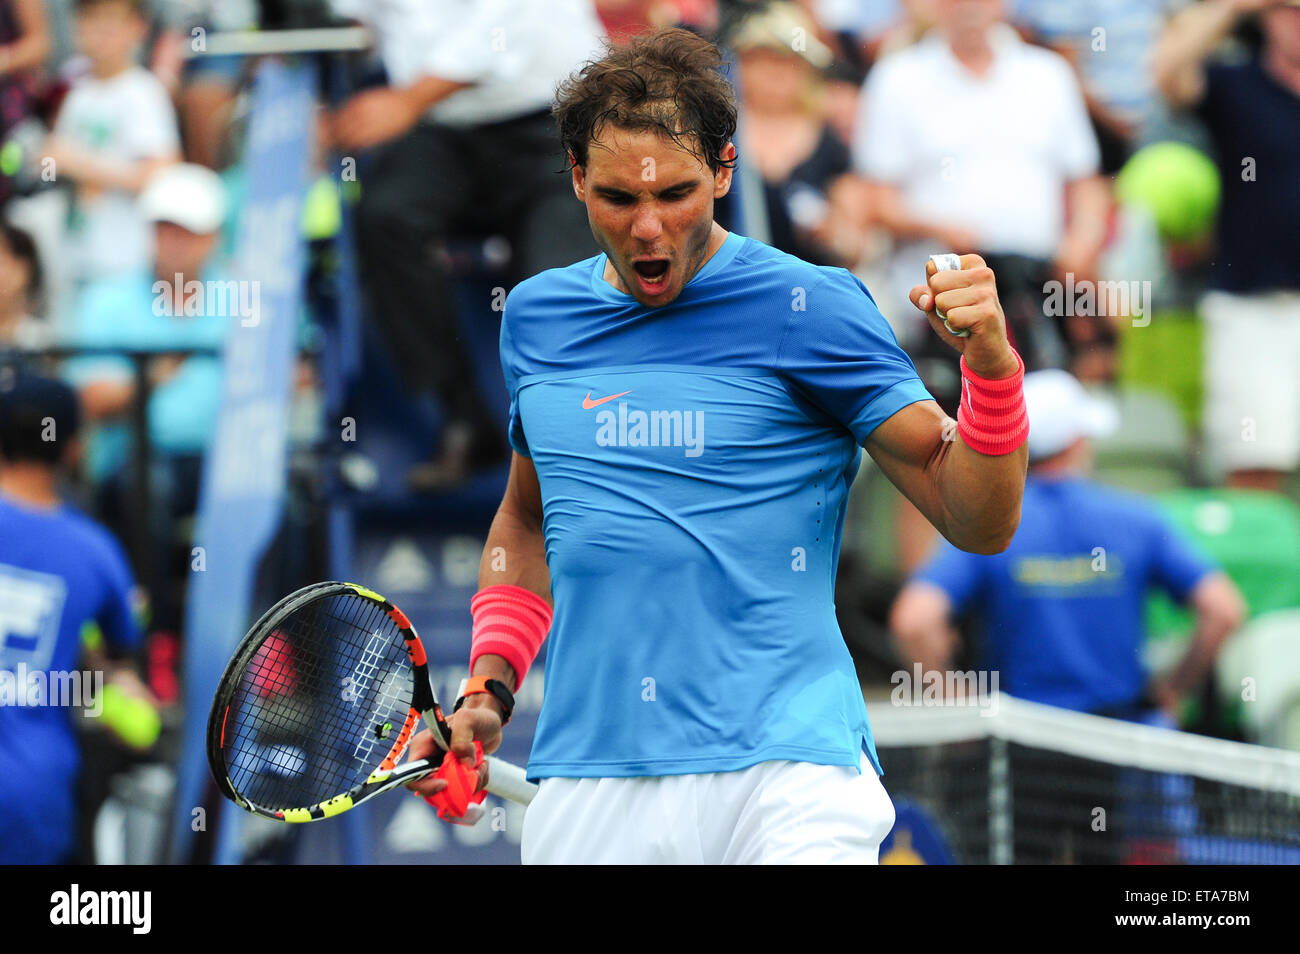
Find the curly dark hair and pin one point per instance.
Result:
(668, 81)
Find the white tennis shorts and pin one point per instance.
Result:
(770, 813)
(1252, 380)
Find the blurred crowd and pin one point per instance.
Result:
(1130, 169)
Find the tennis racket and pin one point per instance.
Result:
(319, 704)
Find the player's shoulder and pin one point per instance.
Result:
(757, 263)
(552, 287)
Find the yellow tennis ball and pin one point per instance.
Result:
(134, 721)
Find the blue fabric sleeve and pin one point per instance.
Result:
(515, 431)
(840, 352)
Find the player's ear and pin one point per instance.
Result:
(722, 178)
(579, 179)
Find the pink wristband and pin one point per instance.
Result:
(992, 418)
(511, 622)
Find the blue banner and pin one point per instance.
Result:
(243, 488)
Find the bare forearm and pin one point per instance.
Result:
(892, 214)
(515, 554)
(979, 496)
(1219, 611)
(1190, 37)
(97, 172)
(32, 47)
(1195, 664)
(1089, 203)
(27, 53)
(101, 399)
(428, 91)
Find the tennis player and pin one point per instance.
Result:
(687, 410)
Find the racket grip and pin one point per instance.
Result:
(509, 781)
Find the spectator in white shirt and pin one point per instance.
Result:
(115, 129)
(977, 142)
(462, 139)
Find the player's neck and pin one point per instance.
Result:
(30, 485)
(717, 236)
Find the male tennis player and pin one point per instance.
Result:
(686, 413)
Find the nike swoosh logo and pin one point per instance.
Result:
(588, 403)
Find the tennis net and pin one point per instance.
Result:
(1014, 782)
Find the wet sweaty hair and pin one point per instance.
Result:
(668, 82)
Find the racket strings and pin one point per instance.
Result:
(320, 704)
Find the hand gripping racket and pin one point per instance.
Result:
(319, 704)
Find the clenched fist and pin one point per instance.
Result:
(968, 299)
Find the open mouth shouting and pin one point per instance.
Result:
(651, 275)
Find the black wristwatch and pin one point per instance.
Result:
(476, 684)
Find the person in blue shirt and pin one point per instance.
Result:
(687, 414)
(1060, 622)
(1060, 612)
(58, 571)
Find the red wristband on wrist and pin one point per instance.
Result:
(992, 418)
(511, 622)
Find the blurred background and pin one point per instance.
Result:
(265, 245)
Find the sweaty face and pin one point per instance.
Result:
(650, 205)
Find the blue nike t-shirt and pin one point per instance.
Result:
(694, 463)
(58, 571)
(1061, 610)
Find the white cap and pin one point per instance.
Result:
(1061, 411)
(186, 194)
(777, 27)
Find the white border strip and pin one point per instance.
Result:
(1089, 737)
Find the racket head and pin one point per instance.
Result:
(319, 703)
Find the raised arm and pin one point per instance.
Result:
(971, 497)
(1188, 39)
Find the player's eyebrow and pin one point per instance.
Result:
(610, 192)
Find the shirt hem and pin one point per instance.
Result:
(634, 768)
